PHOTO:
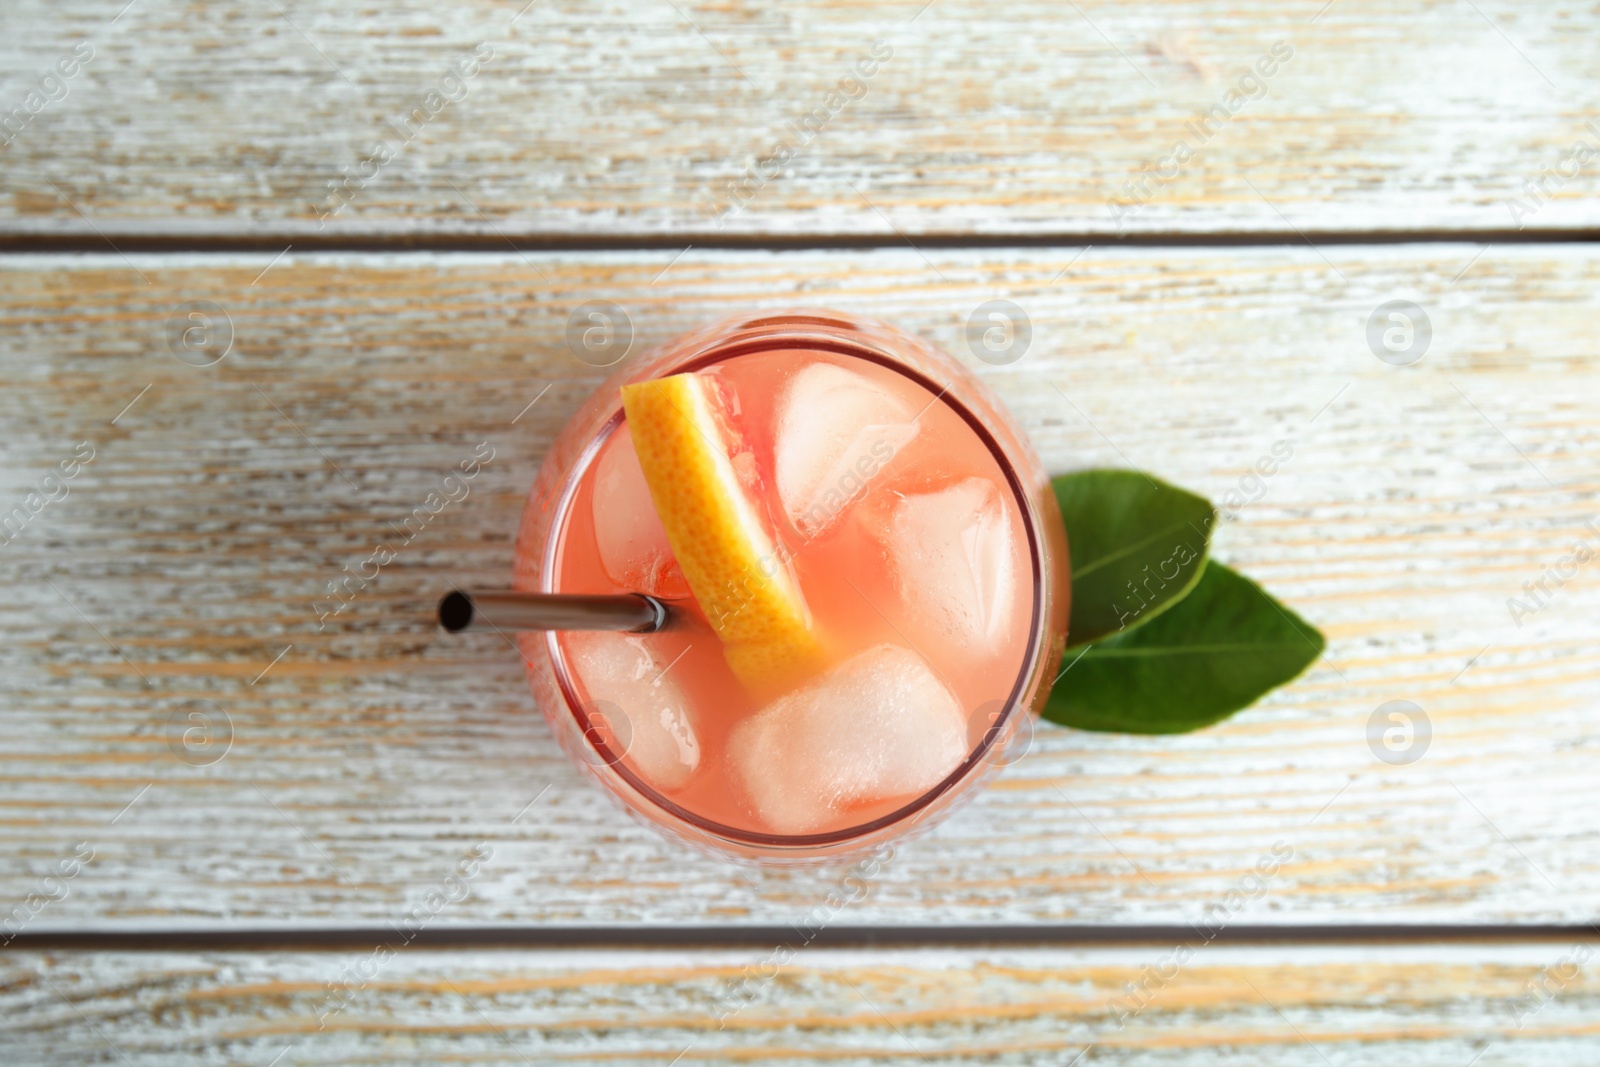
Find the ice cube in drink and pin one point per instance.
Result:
(836, 431)
(879, 726)
(640, 712)
(953, 562)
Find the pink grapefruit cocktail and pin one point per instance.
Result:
(885, 490)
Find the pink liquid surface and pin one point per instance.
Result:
(913, 539)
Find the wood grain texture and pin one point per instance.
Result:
(375, 754)
(632, 118)
(1310, 1005)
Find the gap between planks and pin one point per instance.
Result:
(836, 937)
(146, 242)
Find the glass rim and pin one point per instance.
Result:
(800, 330)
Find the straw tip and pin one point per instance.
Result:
(455, 611)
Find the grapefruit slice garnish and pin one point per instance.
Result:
(734, 567)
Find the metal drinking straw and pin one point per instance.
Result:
(504, 610)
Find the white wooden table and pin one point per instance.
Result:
(246, 802)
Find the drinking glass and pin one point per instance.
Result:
(548, 519)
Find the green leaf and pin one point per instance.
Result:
(1138, 546)
(1217, 650)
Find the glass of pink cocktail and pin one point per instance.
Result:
(890, 493)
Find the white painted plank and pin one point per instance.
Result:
(369, 758)
(631, 118)
(1490, 1005)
